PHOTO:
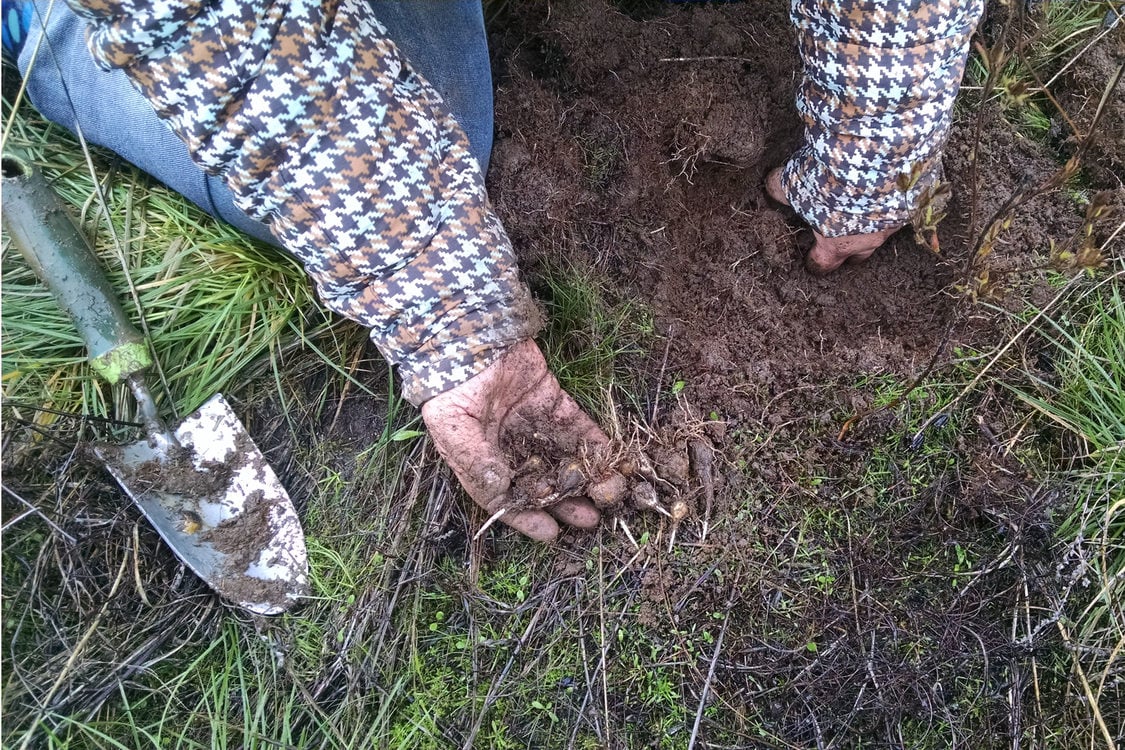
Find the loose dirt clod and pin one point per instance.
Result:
(609, 492)
(175, 473)
(241, 540)
(673, 462)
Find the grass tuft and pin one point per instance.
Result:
(213, 301)
(590, 335)
(1083, 393)
(1051, 38)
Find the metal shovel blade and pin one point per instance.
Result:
(219, 506)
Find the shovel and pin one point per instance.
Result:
(205, 486)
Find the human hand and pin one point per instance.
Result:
(829, 253)
(516, 399)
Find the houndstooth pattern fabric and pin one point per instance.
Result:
(324, 132)
(880, 77)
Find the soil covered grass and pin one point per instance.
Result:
(905, 530)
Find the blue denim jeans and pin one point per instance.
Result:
(444, 39)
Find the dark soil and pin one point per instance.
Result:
(172, 472)
(894, 589)
(638, 148)
(640, 154)
(241, 540)
(1082, 86)
(633, 141)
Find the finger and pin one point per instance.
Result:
(533, 523)
(576, 512)
(482, 469)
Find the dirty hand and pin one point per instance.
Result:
(515, 398)
(829, 253)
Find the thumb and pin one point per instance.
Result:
(475, 458)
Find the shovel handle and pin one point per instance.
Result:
(41, 229)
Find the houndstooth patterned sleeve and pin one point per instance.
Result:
(324, 132)
(876, 99)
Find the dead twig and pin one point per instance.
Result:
(31, 508)
(706, 58)
(710, 676)
(494, 689)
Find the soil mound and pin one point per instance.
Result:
(640, 147)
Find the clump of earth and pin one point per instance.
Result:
(633, 140)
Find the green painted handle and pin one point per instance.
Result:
(41, 229)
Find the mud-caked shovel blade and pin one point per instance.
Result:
(219, 506)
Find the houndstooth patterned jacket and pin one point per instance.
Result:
(876, 100)
(324, 132)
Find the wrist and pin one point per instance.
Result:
(468, 348)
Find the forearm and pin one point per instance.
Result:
(876, 100)
(323, 131)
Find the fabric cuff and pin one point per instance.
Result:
(456, 353)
